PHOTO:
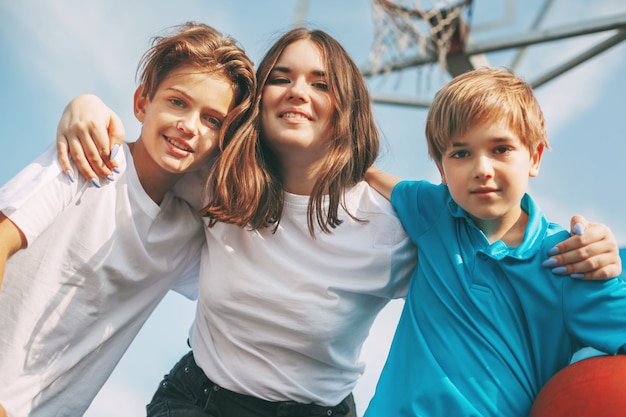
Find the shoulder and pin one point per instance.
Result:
(376, 211)
(191, 187)
(34, 197)
(412, 189)
(365, 200)
(553, 234)
(32, 177)
(38, 194)
(420, 200)
(540, 234)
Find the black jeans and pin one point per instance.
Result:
(187, 392)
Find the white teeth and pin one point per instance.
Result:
(291, 115)
(178, 145)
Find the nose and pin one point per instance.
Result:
(188, 124)
(298, 90)
(483, 168)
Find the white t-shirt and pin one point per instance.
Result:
(98, 262)
(284, 316)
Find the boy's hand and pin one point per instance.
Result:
(591, 253)
(89, 131)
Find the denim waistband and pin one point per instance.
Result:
(277, 408)
(287, 408)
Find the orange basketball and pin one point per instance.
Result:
(592, 387)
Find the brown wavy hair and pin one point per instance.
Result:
(246, 179)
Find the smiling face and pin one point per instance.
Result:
(181, 123)
(296, 108)
(487, 170)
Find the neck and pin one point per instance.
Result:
(510, 229)
(154, 180)
(299, 179)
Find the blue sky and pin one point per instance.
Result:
(53, 50)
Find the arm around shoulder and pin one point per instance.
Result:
(591, 252)
(11, 240)
(381, 181)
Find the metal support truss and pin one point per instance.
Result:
(533, 37)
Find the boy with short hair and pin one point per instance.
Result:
(88, 266)
(484, 325)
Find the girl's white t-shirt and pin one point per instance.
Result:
(283, 316)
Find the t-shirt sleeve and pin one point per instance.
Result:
(37, 194)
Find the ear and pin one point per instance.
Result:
(139, 104)
(441, 172)
(535, 161)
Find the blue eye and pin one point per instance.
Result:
(213, 121)
(177, 102)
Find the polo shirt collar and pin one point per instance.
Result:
(535, 231)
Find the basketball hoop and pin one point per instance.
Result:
(422, 35)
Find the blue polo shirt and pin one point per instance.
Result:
(484, 326)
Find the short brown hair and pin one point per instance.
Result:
(201, 46)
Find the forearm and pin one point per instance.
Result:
(381, 181)
(11, 240)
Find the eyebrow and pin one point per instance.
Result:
(181, 92)
(493, 140)
(287, 70)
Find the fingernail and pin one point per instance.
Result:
(554, 251)
(578, 229)
(69, 175)
(95, 182)
(550, 262)
(114, 151)
(559, 270)
(116, 170)
(578, 276)
(110, 178)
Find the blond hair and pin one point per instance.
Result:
(481, 96)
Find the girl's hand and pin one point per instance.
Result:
(88, 131)
(591, 253)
